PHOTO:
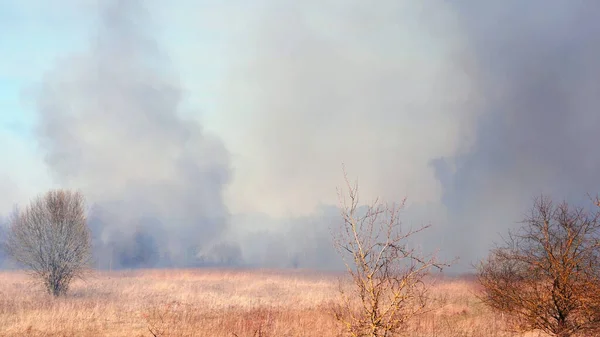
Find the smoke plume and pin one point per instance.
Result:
(380, 88)
(110, 124)
(538, 92)
(470, 110)
(3, 226)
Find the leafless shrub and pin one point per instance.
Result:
(546, 276)
(51, 237)
(387, 285)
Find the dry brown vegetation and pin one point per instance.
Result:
(546, 276)
(216, 303)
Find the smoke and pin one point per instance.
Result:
(381, 88)
(7, 196)
(3, 226)
(288, 242)
(110, 124)
(468, 110)
(538, 85)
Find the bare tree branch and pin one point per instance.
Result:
(386, 276)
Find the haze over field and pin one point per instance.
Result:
(204, 128)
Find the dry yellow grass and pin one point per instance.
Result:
(215, 303)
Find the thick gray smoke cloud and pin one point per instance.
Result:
(379, 87)
(498, 98)
(110, 124)
(538, 79)
(469, 110)
(382, 88)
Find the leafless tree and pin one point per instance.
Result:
(546, 275)
(387, 278)
(51, 237)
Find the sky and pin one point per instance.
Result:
(229, 121)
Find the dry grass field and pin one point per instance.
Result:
(215, 303)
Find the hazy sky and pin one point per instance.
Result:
(252, 107)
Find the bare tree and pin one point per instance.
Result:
(51, 237)
(387, 277)
(546, 275)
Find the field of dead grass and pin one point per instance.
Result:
(215, 303)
